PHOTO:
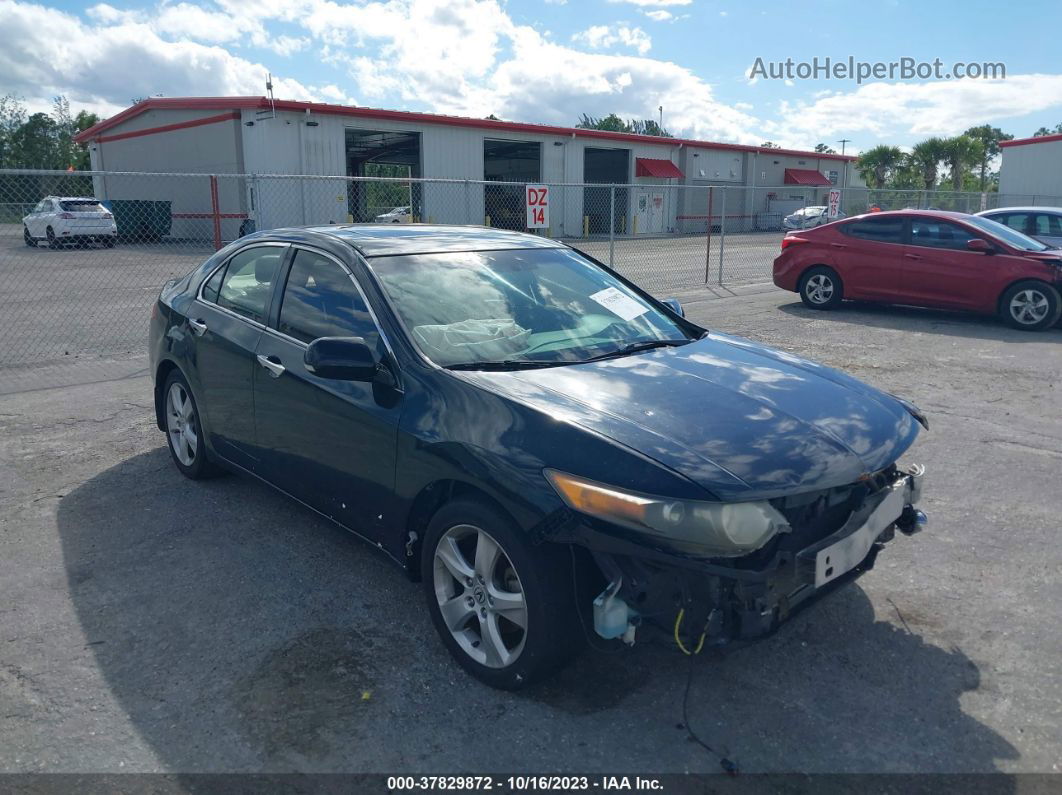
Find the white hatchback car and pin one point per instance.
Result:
(808, 217)
(69, 219)
(399, 215)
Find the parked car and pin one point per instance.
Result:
(808, 217)
(1042, 223)
(399, 215)
(69, 219)
(925, 258)
(548, 448)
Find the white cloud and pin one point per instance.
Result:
(659, 15)
(947, 107)
(603, 37)
(654, 2)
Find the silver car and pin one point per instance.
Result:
(1041, 223)
(808, 217)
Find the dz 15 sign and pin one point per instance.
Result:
(536, 198)
(833, 209)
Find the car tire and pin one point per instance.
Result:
(821, 288)
(184, 433)
(53, 242)
(462, 585)
(27, 238)
(1030, 305)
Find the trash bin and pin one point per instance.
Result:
(141, 220)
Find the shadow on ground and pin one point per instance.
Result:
(240, 632)
(917, 319)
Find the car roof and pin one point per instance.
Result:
(376, 240)
(1052, 210)
(73, 198)
(945, 214)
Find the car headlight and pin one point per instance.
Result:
(712, 529)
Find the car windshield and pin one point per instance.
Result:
(1011, 237)
(81, 205)
(525, 307)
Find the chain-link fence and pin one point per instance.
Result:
(83, 255)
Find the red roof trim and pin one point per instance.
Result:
(181, 125)
(1036, 139)
(262, 103)
(653, 167)
(805, 176)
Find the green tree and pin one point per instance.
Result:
(825, 150)
(961, 153)
(925, 159)
(1044, 131)
(988, 139)
(769, 145)
(878, 164)
(647, 127)
(611, 123)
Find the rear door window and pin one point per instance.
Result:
(880, 230)
(247, 282)
(1046, 225)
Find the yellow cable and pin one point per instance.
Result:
(678, 639)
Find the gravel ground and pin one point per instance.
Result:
(148, 623)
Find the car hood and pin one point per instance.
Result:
(740, 419)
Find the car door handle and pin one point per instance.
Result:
(275, 368)
(912, 256)
(838, 245)
(198, 327)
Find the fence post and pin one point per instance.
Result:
(708, 238)
(612, 226)
(215, 211)
(722, 235)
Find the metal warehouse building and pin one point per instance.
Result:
(257, 136)
(1031, 170)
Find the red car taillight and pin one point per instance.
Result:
(790, 241)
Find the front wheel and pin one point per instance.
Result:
(1031, 306)
(504, 607)
(821, 288)
(27, 238)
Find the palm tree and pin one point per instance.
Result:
(925, 159)
(877, 164)
(960, 153)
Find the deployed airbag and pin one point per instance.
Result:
(473, 339)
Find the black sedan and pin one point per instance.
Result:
(551, 450)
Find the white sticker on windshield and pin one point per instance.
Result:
(618, 303)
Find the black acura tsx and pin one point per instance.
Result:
(553, 452)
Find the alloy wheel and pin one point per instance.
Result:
(181, 426)
(1029, 306)
(819, 288)
(480, 596)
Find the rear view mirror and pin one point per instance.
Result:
(978, 244)
(674, 305)
(341, 359)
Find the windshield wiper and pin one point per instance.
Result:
(506, 364)
(636, 347)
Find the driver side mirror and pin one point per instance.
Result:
(674, 306)
(979, 244)
(341, 359)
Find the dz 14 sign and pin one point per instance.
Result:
(536, 199)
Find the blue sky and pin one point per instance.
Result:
(550, 61)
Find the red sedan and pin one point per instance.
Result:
(925, 258)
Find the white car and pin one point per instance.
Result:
(69, 219)
(1041, 223)
(808, 217)
(399, 215)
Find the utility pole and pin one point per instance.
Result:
(844, 163)
(661, 109)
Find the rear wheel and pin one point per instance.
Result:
(821, 288)
(29, 239)
(183, 430)
(1031, 306)
(503, 606)
(52, 241)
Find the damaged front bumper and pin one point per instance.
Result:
(748, 598)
